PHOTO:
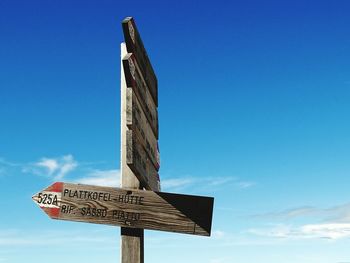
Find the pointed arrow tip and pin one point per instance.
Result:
(49, 199)
(35, 198)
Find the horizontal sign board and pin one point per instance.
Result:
(135, 45)
(127, 208)
(134, 80)
(137, 122)
(139, 162)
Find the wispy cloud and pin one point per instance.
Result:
(186, 182)
(5, 162)
(218, 234)
(339, 213)
(66, 168)
(278, 231)
(55, 168)
(8, 167)
(331, 231)
(289, 213)
(244, 185)
(306, 222)
(18, 238)
(101, 178)
(177, 183)
(309, 231)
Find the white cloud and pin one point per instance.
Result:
(181, 183)
(102, 178)
(279, 231)
(317, 223)
(18, 238)
(338, 214)
(67, 164)
(50, 164)
(56, 168)
(59, 168)
(308, 231)
(214, 181)
(6, 167)
(290, 213)
(177, 182)
(331, 231)
(218, 234)
(244, 185)
(4, 162)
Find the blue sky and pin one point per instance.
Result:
(253, 110)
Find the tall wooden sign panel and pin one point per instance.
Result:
(132, 240)
(140, 153)
(140, 98)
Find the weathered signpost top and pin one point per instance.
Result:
(132, 207)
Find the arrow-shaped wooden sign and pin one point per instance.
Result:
(128, 208)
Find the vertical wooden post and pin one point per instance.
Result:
(132, 244)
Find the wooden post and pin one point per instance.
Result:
(132, 242)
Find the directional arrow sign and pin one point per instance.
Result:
(128, 208)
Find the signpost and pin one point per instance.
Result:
(127, 208)
(138, 204)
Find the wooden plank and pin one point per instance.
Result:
(132, 245)
(132, 239)
(135, 80)
(131, 208)
(139, 162)
(135, 45)
(137, 122)
(128, 178)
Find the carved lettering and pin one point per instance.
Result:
(130, 199)
(94, 212)
(127, 217)
(87, 195)
(67, 209)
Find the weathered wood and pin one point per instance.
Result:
(128, 178)
(137, 122)
(139, 162)
(128, 208)
(132, 242)
(135, 80)
(135, 45)
(132, 245)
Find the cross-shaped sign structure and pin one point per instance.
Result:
(139, 204)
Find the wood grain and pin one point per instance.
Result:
(139, 162)
(135, 80)
(132, 242)
(135, 45)
(134, 208)
(137, 122)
